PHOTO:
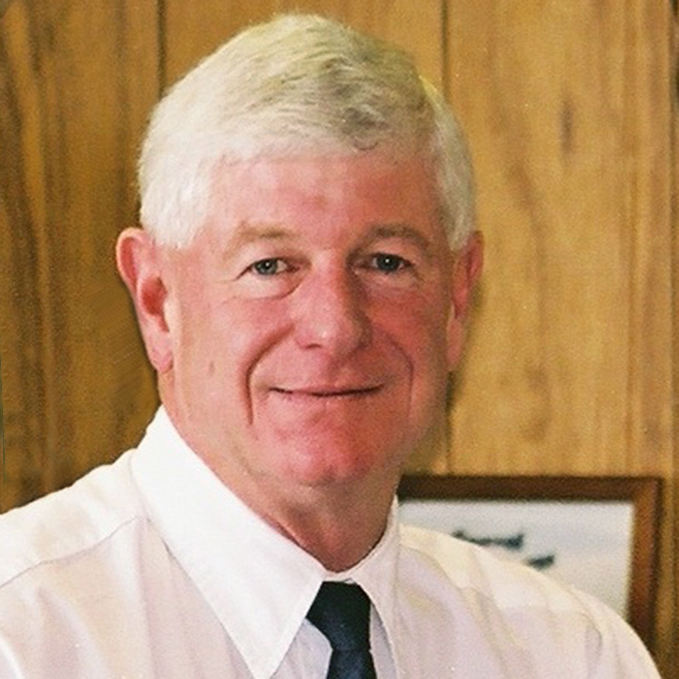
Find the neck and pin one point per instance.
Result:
(338, 525)
(339, 534)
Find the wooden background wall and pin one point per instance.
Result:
(570, 109)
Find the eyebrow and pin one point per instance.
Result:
(248, 232)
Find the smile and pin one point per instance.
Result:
(328, 393)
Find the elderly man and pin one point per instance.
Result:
(301, 282)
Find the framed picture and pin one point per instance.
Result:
(597, 533)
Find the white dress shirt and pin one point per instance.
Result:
(151, 568)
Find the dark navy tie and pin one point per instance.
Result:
(342, 612)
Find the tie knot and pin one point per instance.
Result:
(342, 612)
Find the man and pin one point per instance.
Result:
(301, 281)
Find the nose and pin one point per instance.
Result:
(330, 313)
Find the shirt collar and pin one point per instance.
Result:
(259, 584)
(377, 575)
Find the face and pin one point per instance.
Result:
(308, 325)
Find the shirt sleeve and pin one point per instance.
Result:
(616, 652)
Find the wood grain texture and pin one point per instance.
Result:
(568, 119)
(4, 4)
(668, 625)
(193, 30)
(569, 369)
(76, 83)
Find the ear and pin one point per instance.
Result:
(139, 264)
(467, 267)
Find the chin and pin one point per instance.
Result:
(330, 465)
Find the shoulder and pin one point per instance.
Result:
(69, 522)
(84, 563)
(474, 572)
(467, 566)
(523, 607)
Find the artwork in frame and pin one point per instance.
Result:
(597, 533)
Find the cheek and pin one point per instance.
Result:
(224, 341)
(250, 329)
(418, 327)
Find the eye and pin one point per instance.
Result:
(388, 263)
(270, 267)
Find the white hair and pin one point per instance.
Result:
(295, 85)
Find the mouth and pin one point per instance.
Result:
(328, 392)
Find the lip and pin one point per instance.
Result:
(328, 392)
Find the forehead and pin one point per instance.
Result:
(326, 191)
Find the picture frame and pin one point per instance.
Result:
(597, 533)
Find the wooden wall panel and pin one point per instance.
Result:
(569, 370)
(76, 83)
(193, 30)
(670, 628)
(568, 122)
